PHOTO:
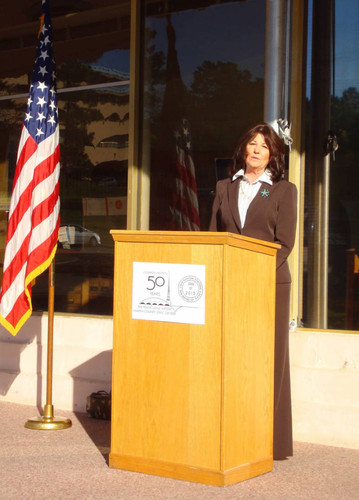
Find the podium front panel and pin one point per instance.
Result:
(195, 401)
(167, 378)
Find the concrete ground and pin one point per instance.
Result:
(72, 464)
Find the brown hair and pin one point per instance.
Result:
(276, 147)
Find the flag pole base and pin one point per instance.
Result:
(47, 422)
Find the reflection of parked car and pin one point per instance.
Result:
(73, 234)
(110, 172)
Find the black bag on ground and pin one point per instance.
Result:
(98, 405)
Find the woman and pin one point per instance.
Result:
(257, 202)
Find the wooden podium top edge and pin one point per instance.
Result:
(195, 237)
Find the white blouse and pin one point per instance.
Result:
(248, 190)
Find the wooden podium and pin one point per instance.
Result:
(192, 401)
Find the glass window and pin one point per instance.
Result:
(202, 86)
(91, 50)
(331, 277)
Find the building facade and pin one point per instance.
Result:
(129, 71)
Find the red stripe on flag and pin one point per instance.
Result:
(20, 309)
(17, 263)
(36, 264)
(42, 211)
(27, 151)
(46, 167)
(185, 199)
(41, 253)
(43, 170)
(186, 209)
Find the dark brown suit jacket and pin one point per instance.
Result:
(269, 218)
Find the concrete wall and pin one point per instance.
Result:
(324, 369)
(82, 361)
(325, 387)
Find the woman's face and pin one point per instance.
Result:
(257, 153)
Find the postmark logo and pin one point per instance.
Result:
(190, 288)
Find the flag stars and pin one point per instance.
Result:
(42, 85)
(39, 132)
(44, 54)
(46, 41)
(41, 101)
(42, 70)
(40, 117)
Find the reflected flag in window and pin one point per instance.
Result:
(184, 206)
(34, 220)
(185, 213)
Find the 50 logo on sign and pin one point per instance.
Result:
(154, 282)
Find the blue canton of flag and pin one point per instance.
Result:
(42, 115)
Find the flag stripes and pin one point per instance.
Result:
(34, 220)
(185, 200)
(184, 208)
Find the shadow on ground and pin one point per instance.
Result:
(99, 431)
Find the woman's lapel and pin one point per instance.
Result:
(233, 190)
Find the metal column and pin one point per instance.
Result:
(276, 54)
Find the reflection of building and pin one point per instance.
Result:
(110, 134)
(235, 74)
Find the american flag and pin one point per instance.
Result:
(35, 204)
(184, 206)
(185, 213)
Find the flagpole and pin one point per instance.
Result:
(48, 421)
(27, 248)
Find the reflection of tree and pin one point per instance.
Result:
(345, 112)
(225, 101)
(12, 113)
(13, 87)
(345, 117)
(154, 71)
(13, 110)
(221, 102)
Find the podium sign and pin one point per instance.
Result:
(192, 395)
(168, 292)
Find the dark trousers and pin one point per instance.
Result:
(282, 431)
